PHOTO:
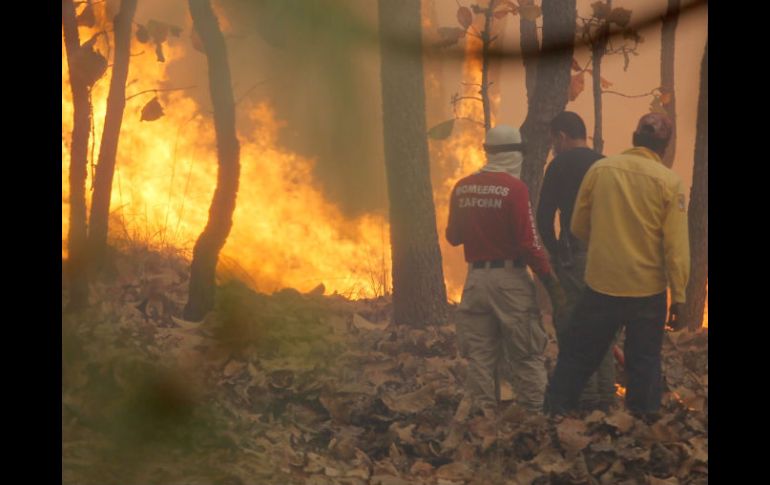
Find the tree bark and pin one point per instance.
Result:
(113, 118)
(214, 235)
(486, 41)
(530, 47)
(667, 43)
(698, 210)
(551, 90)
(76, 239)
(597, 54)
(419, 294)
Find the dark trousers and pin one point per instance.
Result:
(600, 388)
(594, 324)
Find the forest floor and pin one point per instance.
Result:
(294, 388)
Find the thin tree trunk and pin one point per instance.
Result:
(551, 89)
(486, 41)
(113, 118)
(213, 238)
(76, 239)
(530, 48)
(599, 48)
(667, 43)
(698, 210)
(419, 294)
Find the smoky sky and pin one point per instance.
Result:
(316, 63)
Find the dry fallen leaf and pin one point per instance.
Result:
(404, 433)
(652, 480)
(410, 403)
(362, 323)
(571, 435)
(421, 469)
(455, 472)
(620, 420)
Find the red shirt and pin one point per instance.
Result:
(490, 215)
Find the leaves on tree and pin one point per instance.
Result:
(575, 65)
(442, 130)
(605, 84)
(464, 17)
(89, 65)
(449, 36)
(620, 16)
(665, 98)
(158, 31)
(601, 10)
(159, 52)
(142, 35)
(631, 34)
(576, 85)
(152, 110)
(86, 17)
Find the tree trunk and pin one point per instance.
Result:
(667, 43)
(76, 239)
(698, 210)
(419, 294)
(598, 50)
(486, 41)
(212, 239)
(113, 118)
(530, 47)
(551, 90)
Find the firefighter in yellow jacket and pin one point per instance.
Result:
(631, 211)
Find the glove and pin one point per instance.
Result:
(556, 293)
(674, 321)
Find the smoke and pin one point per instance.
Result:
(316, 62)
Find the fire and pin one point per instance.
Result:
(284, 234)
(455, 158)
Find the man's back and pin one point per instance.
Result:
(491, 216)
(560, 188)
(631, 210)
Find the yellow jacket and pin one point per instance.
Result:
(631, 211)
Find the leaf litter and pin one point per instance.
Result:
(311, 389)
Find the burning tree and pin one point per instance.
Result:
(419, 292)
(86, 66)
(214, 235)
(113, 119)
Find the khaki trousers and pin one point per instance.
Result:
(498, 323)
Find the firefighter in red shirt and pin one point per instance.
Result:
(498, 317)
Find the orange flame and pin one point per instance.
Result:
(285, 233)
(456, 157)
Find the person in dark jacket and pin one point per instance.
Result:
(568, 254)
